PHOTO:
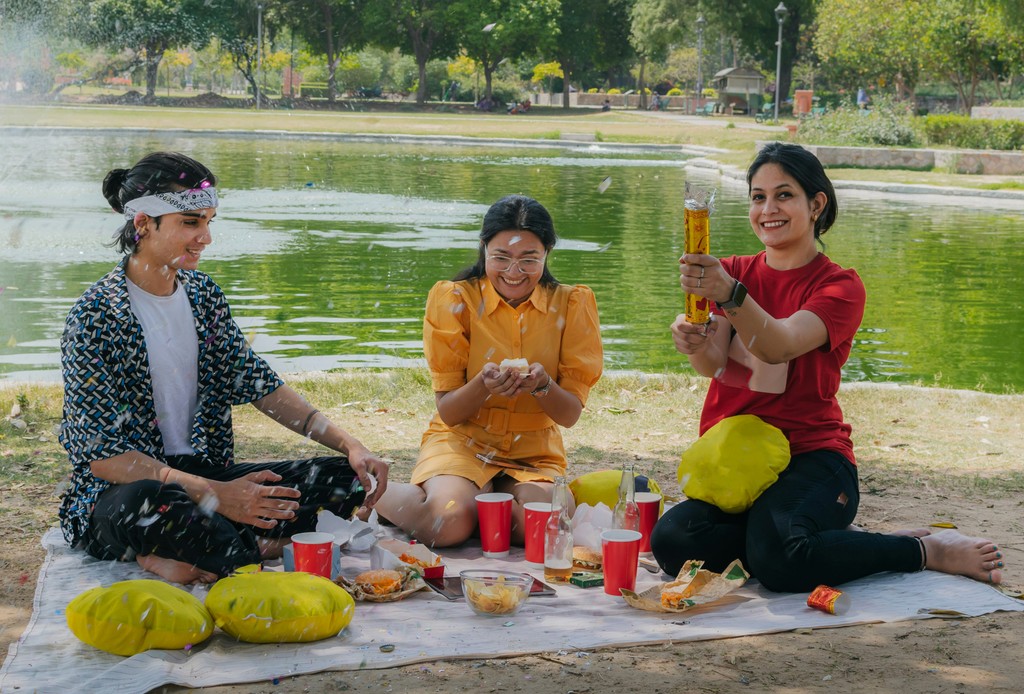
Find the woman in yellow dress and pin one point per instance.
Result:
(507, 306)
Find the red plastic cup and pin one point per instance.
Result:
(535, 520)
(494, 512)
(620, 551)
(313, 553)
(649, 504)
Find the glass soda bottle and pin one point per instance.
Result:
(558, 536)
(626, 515)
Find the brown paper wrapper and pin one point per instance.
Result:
(411, 582)
(693, 588)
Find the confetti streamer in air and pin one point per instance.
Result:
(490, 26)
(603, 185)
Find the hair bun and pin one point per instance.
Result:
(112, 183)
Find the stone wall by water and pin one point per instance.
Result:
(966, 161)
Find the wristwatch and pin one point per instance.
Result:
(543, 390)
(739, 293)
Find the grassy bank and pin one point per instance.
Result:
(736, 135)
(970, 443)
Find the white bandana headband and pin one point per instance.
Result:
(171, 203)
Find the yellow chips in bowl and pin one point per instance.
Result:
(495, 592)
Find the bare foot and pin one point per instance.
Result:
(175, 571)
(953, 553)
(914, 532)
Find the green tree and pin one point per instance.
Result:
(147, 28)
(963, 44)
(493, 31)
(755, 24)
(236, 23)
(593, 36)
(655, 26)
(417, 27)
(856, 52)
(332, 27)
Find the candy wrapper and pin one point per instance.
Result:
(693, 588)
(697, 208)
(395, 554)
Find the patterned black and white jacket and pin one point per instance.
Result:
(108, 394)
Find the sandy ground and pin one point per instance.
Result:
(936, 655)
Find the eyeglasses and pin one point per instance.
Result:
(527, 266)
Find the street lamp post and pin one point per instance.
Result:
(780, 15)
(259, 50)
(700, 58)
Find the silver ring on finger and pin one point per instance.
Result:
(699, 281)
(701, 272)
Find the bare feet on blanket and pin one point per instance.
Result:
(954, 553)
(174, 570)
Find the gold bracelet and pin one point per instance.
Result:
(305, 425)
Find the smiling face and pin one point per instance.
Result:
(510, 281)
(176, 243)
(781, 214)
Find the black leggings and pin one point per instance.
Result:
(793, 538)
(148, 517)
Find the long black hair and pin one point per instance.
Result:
(808, 172)
(514, 213)
(159, 172)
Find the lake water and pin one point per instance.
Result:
(327, 249)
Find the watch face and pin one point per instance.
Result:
(739, 293)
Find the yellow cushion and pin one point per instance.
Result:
(734, 462)
(602, 487)
(279, 607)
(133, 616)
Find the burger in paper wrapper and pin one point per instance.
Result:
(383, 585)
(694, 587)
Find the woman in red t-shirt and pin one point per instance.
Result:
(781, 332)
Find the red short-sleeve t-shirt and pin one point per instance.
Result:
(806, 410)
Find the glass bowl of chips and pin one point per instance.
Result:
(495, 593)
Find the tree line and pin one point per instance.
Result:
(842, 44)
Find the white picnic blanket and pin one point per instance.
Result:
(426, 627)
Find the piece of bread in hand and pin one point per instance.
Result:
(520, 365)
(586, 558)
(379, 581)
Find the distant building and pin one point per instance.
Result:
(739, 88)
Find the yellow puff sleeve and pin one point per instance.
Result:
(582, 357)
(446, 336)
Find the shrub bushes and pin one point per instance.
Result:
(889, 123)
(973, 133)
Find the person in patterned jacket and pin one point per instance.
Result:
(152, 364)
